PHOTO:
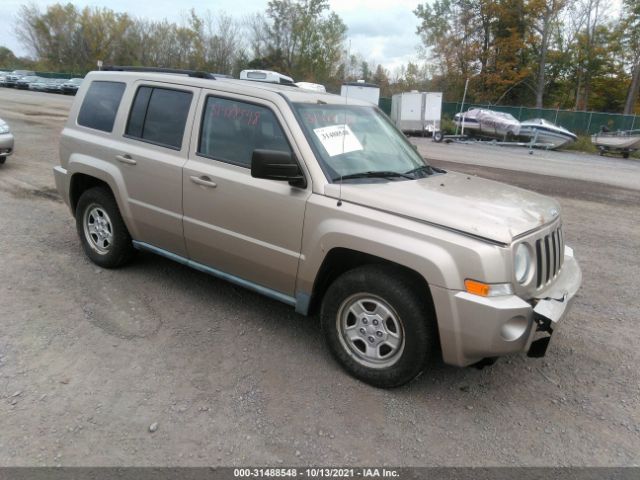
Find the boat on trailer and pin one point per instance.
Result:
(488, 123)
(624, 142)
(539, 130)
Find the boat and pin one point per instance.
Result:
(624, 142)
(488, 123)
(543, 132)
(315, 87)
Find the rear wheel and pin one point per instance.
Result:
(105, 238)
(2, 160)
(378, 325)
(437, 136)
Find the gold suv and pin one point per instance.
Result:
(321, 203)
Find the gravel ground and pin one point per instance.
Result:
(90, 359)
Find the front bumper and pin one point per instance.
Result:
(473, 328)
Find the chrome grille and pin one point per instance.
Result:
(549, 256)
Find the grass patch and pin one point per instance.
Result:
(447, 126)
(582, 144)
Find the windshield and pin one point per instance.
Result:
(351, 139)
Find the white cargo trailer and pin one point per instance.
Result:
(417, 112)
(361, 90)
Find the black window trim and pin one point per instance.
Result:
(248, 102)
(151, 142)
(115, 117)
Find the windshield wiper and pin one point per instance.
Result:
(426, 169)
(373, 174)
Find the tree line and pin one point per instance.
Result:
(576, 54)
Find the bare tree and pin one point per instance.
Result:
(544, 13)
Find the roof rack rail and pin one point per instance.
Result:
(190, 73)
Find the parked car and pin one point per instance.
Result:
(26, 81)
(6, 141)
(266, 186)
(70, 87)
(39, 85)
(3, 76)
(11, 79)
(54, 85)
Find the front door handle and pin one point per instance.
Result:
(204, 181)
(126, 158)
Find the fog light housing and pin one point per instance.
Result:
(514, 328)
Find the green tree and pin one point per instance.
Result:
(302, 38)
(381, 78)
(630, 41)
(7, 58)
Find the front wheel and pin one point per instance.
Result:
(104, 236)
(437, 136)
(379, 325)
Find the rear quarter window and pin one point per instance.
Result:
(159, 116)
(100, 105)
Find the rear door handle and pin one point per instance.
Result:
(204, 181)
(126, 158)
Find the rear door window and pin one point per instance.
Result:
(159, 116)
(231, 130)
(100, 105)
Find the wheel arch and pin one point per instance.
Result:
(340, 260)
(80, 183)
(88, 172)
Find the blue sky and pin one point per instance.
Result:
(382, 31)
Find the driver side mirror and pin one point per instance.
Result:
(277, 165)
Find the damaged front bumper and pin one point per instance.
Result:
(485, 327)
(553, 307)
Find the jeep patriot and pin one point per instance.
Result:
(321, 203)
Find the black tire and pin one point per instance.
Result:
(120, 249)
(625, 154)
(438, 136)
(2, 160)
(414, 311)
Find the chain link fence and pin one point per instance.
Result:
(59, 75)
(580, 123)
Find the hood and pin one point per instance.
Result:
(479, 207)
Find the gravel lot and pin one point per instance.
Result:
(90, 358)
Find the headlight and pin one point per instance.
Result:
(522, 262)
(4, 128)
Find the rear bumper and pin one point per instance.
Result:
(63, 181)
(473, 328)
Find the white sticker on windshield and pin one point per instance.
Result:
(337, 139)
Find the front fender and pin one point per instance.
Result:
(443, 258)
